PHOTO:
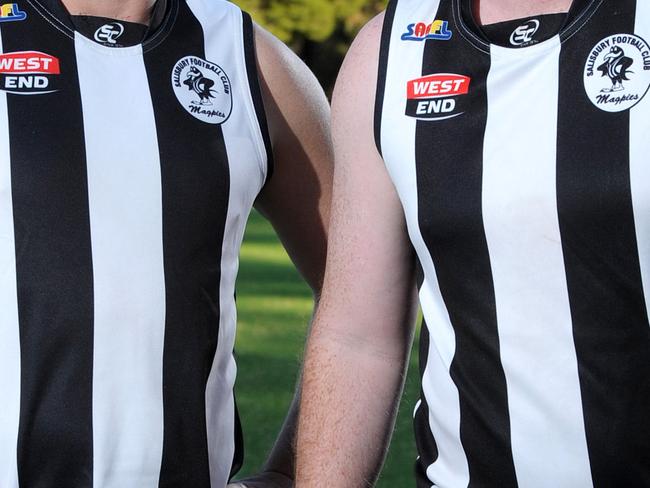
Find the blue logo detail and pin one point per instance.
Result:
(420, 31)
(10, 12)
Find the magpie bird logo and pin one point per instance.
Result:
(617, 72)
(201, 85)
(203, 89)
(616, 66)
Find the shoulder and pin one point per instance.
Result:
(356, 84)
(291, 91)
(367, 43)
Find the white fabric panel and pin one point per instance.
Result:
(222, 25)
(125, 200)
(398, 148)
(640, 162)
(522, 229)
(9, 328)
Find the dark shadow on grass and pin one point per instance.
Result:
(268, 278)
(264, 390)
(259, 231)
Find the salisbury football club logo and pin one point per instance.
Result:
(203, 89)
(617, 73)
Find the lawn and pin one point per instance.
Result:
(274, 309)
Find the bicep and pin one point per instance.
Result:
(297, 197)
(370, 275)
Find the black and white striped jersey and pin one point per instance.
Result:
(126, 178)
(524, 173)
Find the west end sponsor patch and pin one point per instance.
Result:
(10, 12)
(421, 31)
(434, 97)
(617, 72)
(203, 89)
(28, 72)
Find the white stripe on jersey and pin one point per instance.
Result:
(220, 407)
(124, 187)
(640, 164)
(9, 330)
(451, 468)
(523, 236)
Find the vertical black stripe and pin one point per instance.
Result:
(449, 179)
(425, 441)
(238, 458)
(256, 91)
(424, 438)
(54, 267)
(195, 189)
(384, 48)
(611, 331)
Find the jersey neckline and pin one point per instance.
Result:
(578, 15)
(164, 14)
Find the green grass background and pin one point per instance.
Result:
(274, 308)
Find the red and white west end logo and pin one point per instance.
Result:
(434, 97)
(28, 72)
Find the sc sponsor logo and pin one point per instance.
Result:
(523, 35)
(421, 31)
(109, 33)
(434, 97)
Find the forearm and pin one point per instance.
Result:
(351, 392)
(282, 458)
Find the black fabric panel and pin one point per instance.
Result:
(610, 325)
(449, 179)
(424, 439)
(384, 48)
(88, 25)
(238, 458)
(54, 267)
(549, 25)
(195, 189)
(58, 11)
(256, 91)
(579, 13)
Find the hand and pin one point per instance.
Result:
(264, 480)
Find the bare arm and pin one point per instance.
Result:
(296, 200)
(360, 342)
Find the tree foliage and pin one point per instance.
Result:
(312, 20)
(319, 31)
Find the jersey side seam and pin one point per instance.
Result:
(255, 108)
(382, 71)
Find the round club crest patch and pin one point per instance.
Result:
(617, 73)
(203, 89)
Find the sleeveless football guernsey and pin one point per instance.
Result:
(524, 172)
(126, 178)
